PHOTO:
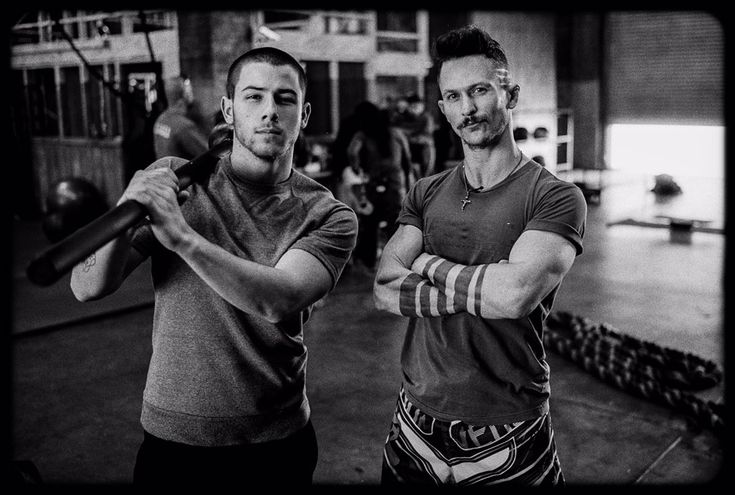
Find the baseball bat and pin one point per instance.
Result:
(52, 264)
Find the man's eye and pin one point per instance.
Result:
(479, 90)
(450, 97)
(255, 97)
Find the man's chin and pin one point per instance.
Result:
(268, 152)
(476, 142)
(479, 141)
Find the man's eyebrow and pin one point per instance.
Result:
(259, 88)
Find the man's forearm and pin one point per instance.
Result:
(410, 295)
(269, 292)
(102, 272)
(469, 288)
(401, 291)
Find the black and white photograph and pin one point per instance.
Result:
(262, 247)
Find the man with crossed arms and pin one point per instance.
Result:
(475, 264)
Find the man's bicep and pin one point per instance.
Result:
(403, 247)
(544, 251)
(307, 272)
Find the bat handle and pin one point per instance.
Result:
(51, 265)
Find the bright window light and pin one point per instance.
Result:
(677, 150)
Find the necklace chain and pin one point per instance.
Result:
(467, 199)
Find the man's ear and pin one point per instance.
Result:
(226, 107)
(441, 107)
(513, 100)
(305, 113)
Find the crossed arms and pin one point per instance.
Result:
(411, 282)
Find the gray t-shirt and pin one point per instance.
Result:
(175, 134)
(460, 366)
(219, 376)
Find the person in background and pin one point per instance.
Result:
(418, 124)
(348, 126)
(175, 132)
(238, 261)
(351, 189)
(475, 265)
(377, 149)
(398, 112)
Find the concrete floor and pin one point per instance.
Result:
(78, 370)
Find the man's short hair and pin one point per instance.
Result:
(268, 54)
(467, 41)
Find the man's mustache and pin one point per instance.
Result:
(470, 120)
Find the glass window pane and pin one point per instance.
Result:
(397, 45)
(42, 102)
(397, 21)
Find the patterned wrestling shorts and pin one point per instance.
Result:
(422, 449)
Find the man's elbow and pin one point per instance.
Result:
(518, 304)
(519, 310)
(280, 309)
(380, 305)
(274, 317)
(85, 294)
(85, 290)
(523, 300)
(379, 296)
(277, 311)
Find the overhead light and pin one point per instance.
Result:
(269, 33)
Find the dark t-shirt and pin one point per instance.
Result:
(175, 134)
(485, 371)
(218, 375)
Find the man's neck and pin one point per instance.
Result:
(252, 168)
(489, 166)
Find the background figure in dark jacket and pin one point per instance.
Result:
(418, 125)
(378, 149)
(175, 132)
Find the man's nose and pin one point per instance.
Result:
(270, 109)
(468, 105)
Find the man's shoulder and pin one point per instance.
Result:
(320, 205)
(310, 189)
(436, 179)
(548, 185)
(549, 179)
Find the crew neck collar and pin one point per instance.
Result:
(253, 185)
(459, 171)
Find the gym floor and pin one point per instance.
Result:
(78, 370)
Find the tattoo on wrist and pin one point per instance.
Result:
(90, 262)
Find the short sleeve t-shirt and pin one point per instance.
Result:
(220, 376)
(485, 371)
(175, 134)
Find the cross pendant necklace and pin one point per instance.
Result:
(467, 199)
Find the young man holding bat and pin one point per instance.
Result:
(238, 260)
